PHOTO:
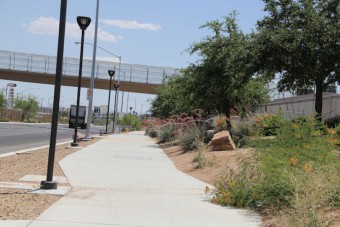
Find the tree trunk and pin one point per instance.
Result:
(318, 100)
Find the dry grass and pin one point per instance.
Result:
(18, 204)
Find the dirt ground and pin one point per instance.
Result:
(216, 163)
(17, 204)
(21, 205)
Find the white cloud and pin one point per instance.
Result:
(44, 25)
(50, 26)
(128, 24)
(105, 36)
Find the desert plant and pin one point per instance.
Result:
(298, 142)
(220, 122)
(313, 190)
(190, 138)
(132, 121)
(199, 159)
(296, 174)
(333, 121)
(151, 132)
(236, 187)
(241, 132)
(267, 124)
(337, 129)
(167, 133)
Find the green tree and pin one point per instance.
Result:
(173, 97)
(29, 106)
(221, 78)
(2, 101)
(131, 121)
(299, 40)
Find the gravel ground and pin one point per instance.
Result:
(18, 204)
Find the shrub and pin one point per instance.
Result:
(167, 133)
(199, 159)
(220, 122)
(333, 121)
(151, 132)
(296, 173)
(240, 133)
(337, 129)
(131, 121)
(236, 187)
(267, 124)
(190, 138)
(313, 190)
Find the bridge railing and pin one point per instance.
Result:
(47, 64)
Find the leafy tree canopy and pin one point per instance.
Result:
(299, 39)
(29, 106)
(221, 78)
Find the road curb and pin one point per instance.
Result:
(31, 149)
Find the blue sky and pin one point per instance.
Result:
(148, 32)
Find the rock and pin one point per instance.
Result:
(209, 135)
(80, 136)
(222, 141)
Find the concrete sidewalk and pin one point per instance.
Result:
(127, 180)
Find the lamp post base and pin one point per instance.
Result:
(74, 144)
(48, 185)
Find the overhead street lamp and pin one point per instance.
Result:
(111, 74)
(83, 23)
(116, 86)
(22, 93)
(89, 113)
(35, 88)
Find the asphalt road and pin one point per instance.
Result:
(21, 136)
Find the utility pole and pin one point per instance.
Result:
(89, 111)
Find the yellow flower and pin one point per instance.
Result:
(308, 167)
(331, 131)
(332, 141)
(293, 161)
(226, 197)
(231, 184)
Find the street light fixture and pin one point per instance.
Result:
(89, 113)
(35, 88)
(83, 23)
(111, 74)
(116, 86)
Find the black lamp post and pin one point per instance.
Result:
(116, 86)
(111, 74)
(49, 183)
(83, 23)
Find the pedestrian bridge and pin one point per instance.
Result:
(35, 68)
